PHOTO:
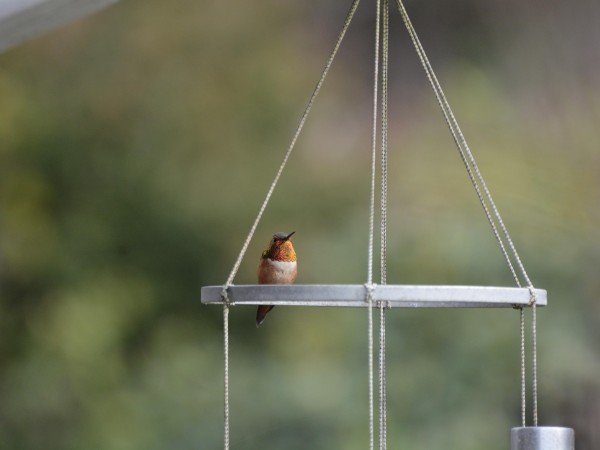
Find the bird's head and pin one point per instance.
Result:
(281, 248)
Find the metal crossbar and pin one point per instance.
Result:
(353, 295)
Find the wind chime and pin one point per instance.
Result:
(383, 296)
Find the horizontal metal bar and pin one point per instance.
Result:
(355, 295)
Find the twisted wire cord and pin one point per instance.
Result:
(534, 362)
(465, 153)
(370, 286)
(523, 379)
(477, 180)
(384, 138)
(236, 266)
(374, 145)
(382, 380)
(383, 212)
(370, 291)
(226, 376)
(307, 110)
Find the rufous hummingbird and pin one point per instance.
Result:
(277, 266)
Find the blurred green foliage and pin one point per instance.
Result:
(136, 147)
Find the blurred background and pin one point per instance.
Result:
(136, 147)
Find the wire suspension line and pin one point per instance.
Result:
(226, 376)
(534, 361)
(480, 185)
(382, 380)
(523, 379)
(384, 138)
(484, 195)
(370, 286)
(383, 213)
(236, 266)
(381, 34)
(292, 145)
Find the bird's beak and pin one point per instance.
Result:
(289, 235)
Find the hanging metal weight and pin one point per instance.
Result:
(542, 438)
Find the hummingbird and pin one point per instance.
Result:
(277, 266)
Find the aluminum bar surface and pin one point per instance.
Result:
(355, 295)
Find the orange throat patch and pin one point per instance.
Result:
(283, 252)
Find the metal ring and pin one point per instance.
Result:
(353, 295)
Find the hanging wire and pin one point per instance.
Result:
(533, 304)
(370, 289)
(534, 363)
(382, 380)
(380, 11)
(523, 380)
(307, 110)
(534, 388)
(383, 213)
(226, 376)
(236, 266)
(479, 185)
(384, 138)
(374, 144)
(461, 144)
(370, 286)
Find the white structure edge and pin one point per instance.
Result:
(24, 19)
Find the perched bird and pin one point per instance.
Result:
(277, 266)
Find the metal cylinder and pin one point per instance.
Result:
(542, 438)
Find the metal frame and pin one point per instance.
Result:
(355, 295)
